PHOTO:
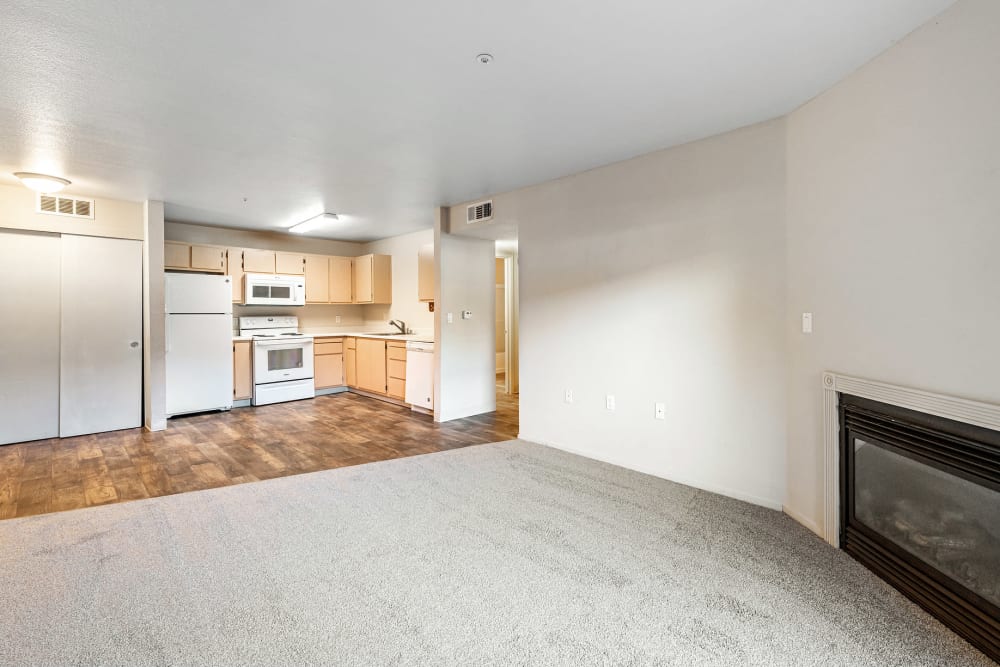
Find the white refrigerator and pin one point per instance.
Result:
(199, 343)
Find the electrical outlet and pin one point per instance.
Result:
(610, 401)
(338, 319)
(569, 395)
(660, 410)
(466, 314)
(451, 318)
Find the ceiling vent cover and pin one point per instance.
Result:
(73, 207)
(480, 212)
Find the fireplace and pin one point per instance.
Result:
(920, 507)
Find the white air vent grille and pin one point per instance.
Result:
(73, 207)
(479, 212)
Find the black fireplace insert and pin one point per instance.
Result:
(920, 507)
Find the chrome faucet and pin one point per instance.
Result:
(399, 324)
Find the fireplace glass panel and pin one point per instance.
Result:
(942, 519)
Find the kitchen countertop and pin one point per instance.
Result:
(423, 338)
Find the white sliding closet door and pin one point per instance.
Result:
(29, 347)
(101, 361)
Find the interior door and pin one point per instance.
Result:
(29, 348)
(101, 335)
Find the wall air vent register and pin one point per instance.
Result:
(480, 212)
(73, 207)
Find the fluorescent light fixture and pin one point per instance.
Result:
(41, 182)
(312, 224)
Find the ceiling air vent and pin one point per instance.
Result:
(73, 207)
(479, 212)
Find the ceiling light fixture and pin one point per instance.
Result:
(313, 224)
(484, 58)
(41, 182)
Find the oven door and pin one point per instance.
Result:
(282, 360)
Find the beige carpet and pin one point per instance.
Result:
(505, 554)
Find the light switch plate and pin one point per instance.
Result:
(660, 410)
(569, 395)
(451, 318)
(609, 401)
(807, 323)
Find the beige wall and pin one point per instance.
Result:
(405, 304)
(465, 374)
(112, 218)
(894, 229)
(660, 279)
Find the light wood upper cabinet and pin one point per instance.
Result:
(234, 269)
(242, 374)
(258, 261)
(341, 280)
(373, 279)
(425, 272)
(371, 368)
(176, 255)
(317, 273)
(208, 258)
(292, 264)
(191, 257)
(351, 362)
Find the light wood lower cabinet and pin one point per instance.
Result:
(242, 370)
(395, 354)
(351, 362)
(371, 365)
(328, 362)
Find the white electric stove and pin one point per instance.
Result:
(282, 359)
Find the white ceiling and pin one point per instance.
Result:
(378, 111)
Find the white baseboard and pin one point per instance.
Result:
(808, 523)
(711, 488)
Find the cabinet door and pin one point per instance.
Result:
(425, 273)
(208, 258)
(258, 261)
(381, 279)
(176, 255)
(291, 264)
(371, 365)
(234, 268)
(341, 280)
(329, 370)
(363, 279)
(351, 366)
(317, 279)
(242, 373)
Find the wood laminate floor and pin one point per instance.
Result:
(218, 449)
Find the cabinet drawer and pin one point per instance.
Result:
(321, 346)
(351, 343)
(397, 388)
(398, 353)
(397, 369)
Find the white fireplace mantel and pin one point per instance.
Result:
(976, 413)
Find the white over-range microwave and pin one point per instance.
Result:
(265, 290)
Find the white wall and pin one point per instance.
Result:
(661, 279)
(405, 304)
(465, 378)
(894, 229)
(154, 373)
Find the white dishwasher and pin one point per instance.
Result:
(420, 374)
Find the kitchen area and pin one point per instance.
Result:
(246, 349)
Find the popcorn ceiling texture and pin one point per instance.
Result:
(509, 553)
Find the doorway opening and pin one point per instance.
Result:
(506, 317)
